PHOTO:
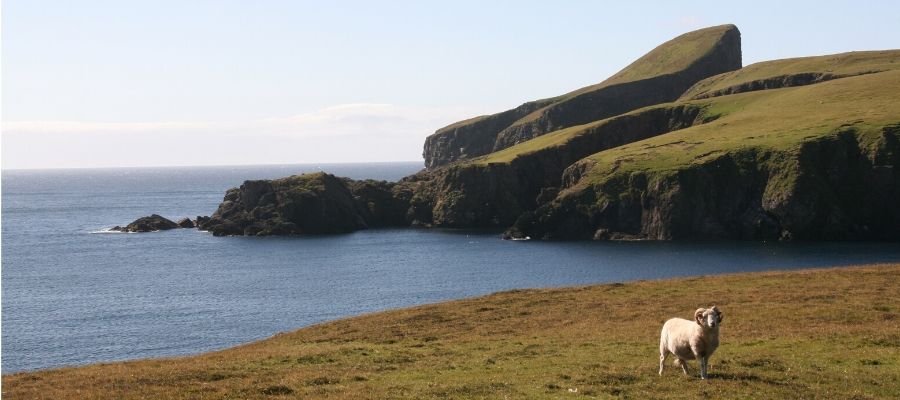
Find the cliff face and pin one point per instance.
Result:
(305, 204)
(493, 194)
(831, 188)
(731, 159)
(658, 77)
(471, 138)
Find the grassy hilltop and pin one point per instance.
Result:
(774, 72)
(661, 75)
(831, 333)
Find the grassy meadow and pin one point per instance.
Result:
(827, 333)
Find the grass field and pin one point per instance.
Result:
(830, 333)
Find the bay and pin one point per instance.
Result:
(72, 295)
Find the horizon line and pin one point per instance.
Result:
(211, 165)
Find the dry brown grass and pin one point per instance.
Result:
(831, 333)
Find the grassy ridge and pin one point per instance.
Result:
(804, 334)
(659, 76)
(778, 119)
(668, 58)
(844, 64)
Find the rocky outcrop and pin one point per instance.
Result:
(151, 223)
(306, 204)
(831, 188)
(495, 194)
(473, 195)
(185, 223)
(660, 76)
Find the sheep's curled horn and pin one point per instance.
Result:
(698, 315)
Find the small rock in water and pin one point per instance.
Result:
(148, 224)
(185, 223)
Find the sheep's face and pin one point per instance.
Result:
(709, 317)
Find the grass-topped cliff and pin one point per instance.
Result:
(829, 334)
(794, 72)
(779, 71)
(661, 75)
(806, 162)
(803, 148)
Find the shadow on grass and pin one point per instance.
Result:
(744, 377)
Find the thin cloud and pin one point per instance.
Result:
(342, 133)
(340, 120)
(688, 21)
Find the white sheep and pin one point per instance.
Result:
(689, 340)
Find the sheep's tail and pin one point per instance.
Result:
(663, 338)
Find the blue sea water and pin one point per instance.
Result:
(73, 296)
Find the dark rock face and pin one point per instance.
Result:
(306, 204)
(152, 223)
(465, 195)
(494, 195)
(479, 136)
(833, 189)
(185, 223)
(464, 140)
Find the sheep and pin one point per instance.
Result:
(689, 340)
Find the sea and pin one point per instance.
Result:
(73, 293)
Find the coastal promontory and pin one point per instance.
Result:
(684, 143)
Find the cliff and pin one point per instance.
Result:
(746, 175)
(801, 148)
(660, 76)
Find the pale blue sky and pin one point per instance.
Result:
(139, 83)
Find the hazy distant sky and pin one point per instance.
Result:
(143, 83)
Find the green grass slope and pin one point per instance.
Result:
(828, 334)
(795, 72)
(668, 58)
(839, 65)
(779, 119)
(659, 76)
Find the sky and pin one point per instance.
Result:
(190, 82)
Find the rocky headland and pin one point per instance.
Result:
(684, 143)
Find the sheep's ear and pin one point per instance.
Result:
(698, 316)
(721, 317)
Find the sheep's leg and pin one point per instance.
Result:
(703, 366)
(662, 360)
(683, 364)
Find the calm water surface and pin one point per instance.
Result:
(71, 296)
